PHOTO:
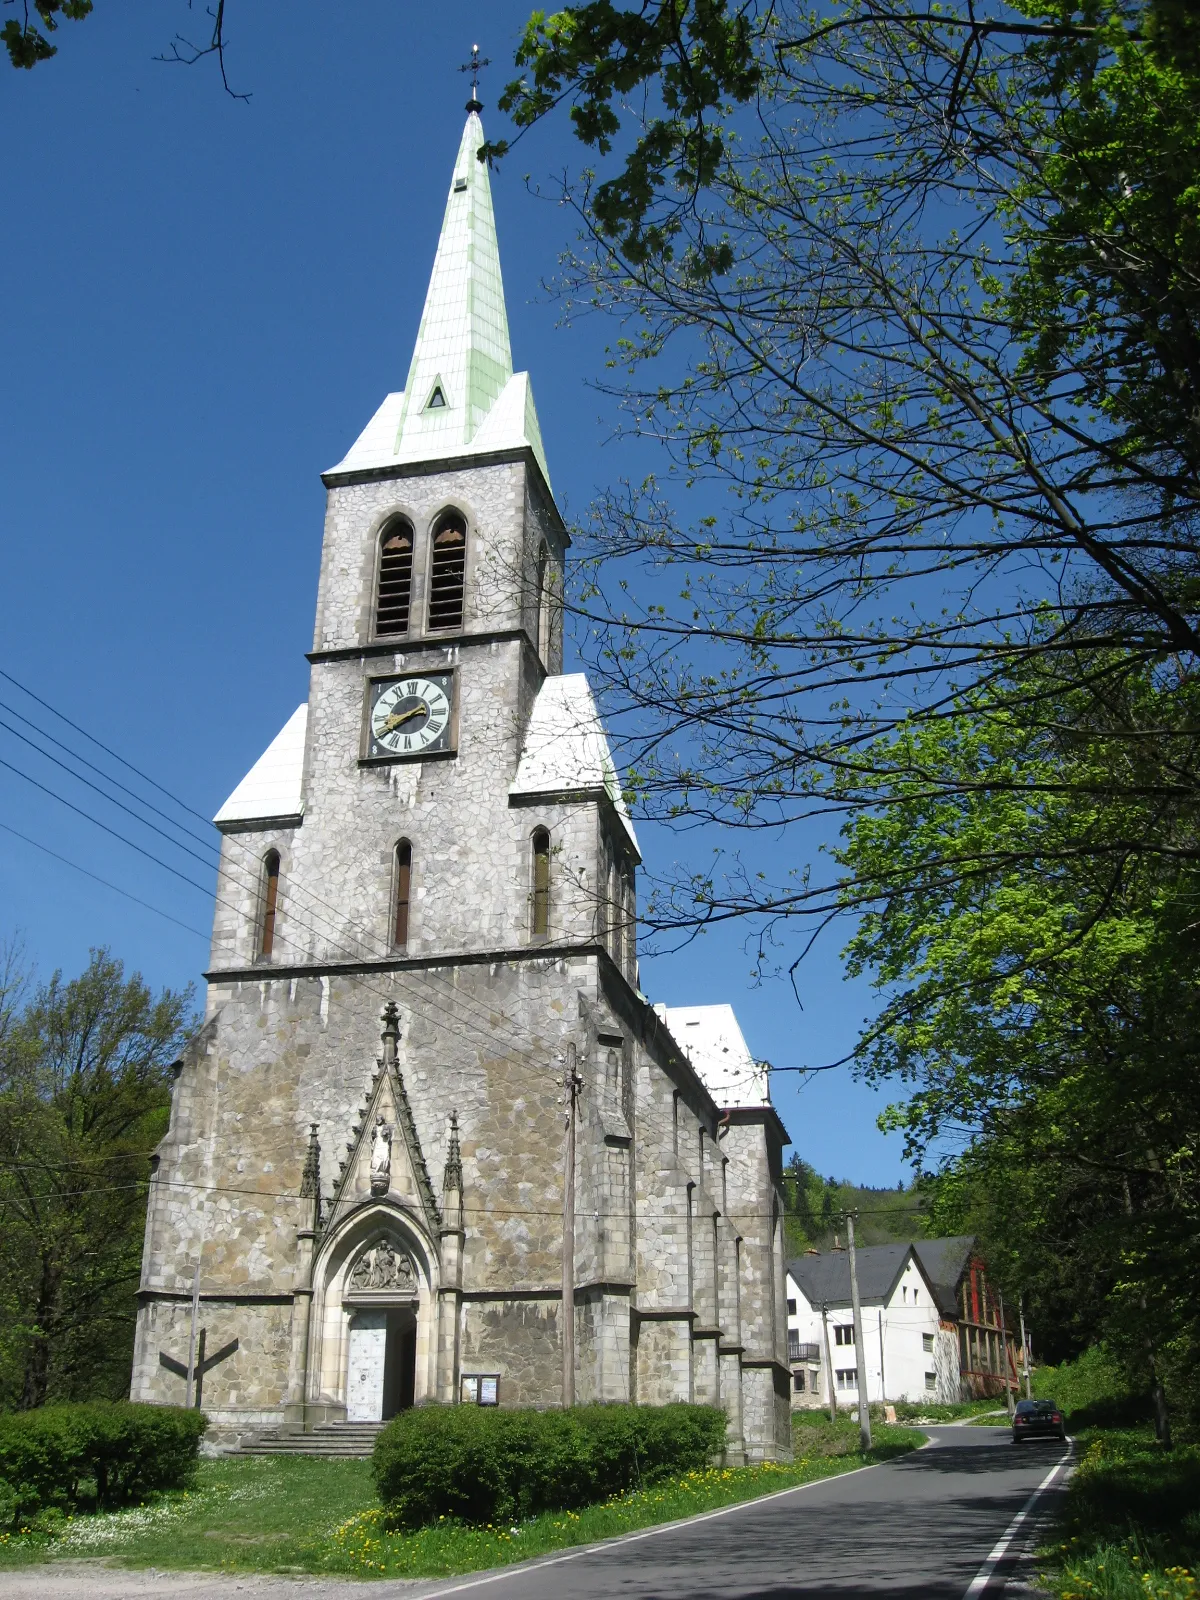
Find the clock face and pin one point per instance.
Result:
(410, 716)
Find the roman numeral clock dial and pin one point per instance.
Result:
(410, 716)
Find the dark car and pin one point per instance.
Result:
(1038, 1419)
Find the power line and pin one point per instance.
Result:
(584, 1212)
(454, 1000)
(96, 878)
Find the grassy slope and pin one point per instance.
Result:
(1131, 1526)
(283, 1514)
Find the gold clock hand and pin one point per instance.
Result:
(398, 717)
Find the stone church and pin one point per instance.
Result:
(424, 967)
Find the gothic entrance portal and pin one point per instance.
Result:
(381, 1295)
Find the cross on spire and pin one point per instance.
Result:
(474, 67)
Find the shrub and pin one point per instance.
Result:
(1093, 1390)
(99, 1454)
(482, 1466)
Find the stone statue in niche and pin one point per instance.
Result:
(381, 1157)
(382, 1267)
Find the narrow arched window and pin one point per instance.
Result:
(448, 571)
(395, 579)
(403, 893)
(543, 605)
(270, 904)
(541, 883)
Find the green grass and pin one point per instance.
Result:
(289, 1514)
(961, 1411)
(1131, 1523)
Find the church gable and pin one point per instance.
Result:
(384, 1158)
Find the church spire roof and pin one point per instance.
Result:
(461, 396)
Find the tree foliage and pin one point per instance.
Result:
(1041, 1002)
(957, 418)
(84, 1097)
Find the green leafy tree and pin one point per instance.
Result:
(1040, 1002)
(84, 1097)
(918, 289)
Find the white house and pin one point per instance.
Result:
(912, 1346)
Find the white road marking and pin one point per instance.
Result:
(519, 1568)
(981, 1579)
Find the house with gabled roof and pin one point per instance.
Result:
(932, 1327)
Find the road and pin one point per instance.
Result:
(920, 1528)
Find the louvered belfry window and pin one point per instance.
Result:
(395, 579)
(447, 579)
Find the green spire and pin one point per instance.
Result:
(462, 358)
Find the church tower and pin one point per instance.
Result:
(425, 909)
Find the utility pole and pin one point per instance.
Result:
(829, 1364)
(860, 1346)
(882, 1379)
(1025, 1347)
(572, 1083)
(1008, 1394)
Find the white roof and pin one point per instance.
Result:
(566, 750)
(272, 787)
(461, 396)
(712, 1041)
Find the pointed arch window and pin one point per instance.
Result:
(541, 883)
(448, 571)
(394, 593)
(402, 895)
(543, 604)
(269, 904)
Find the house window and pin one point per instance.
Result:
(270, 904)
(793, 1344)
(843, 1333)
(395, 579)
(403, 893)
(541, 883)
(927, 1341)
(798, 1382)
(847, 1377)
(904, 1294)
(448, 571)
(931, 1380)
(791, 1308)
(914, 1297)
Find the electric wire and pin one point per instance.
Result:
(325, 934)
(96, 878)
(452, 997)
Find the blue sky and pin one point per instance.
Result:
(205, 301)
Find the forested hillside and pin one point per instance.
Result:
(817, 1207)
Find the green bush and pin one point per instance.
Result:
(480, 1466)
(1093, 1390)
(98, 1455)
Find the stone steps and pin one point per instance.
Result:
(329, 1439)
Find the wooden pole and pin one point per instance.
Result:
(882, 1379)
(860, 1346)
(1008, 1394)
(571, 1086)
(191, 1372)
(829, 1365)
(1025, 1349)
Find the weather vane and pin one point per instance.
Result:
(474, 66)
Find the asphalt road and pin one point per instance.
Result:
(921, 1527)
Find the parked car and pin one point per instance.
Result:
(1037, 1419)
